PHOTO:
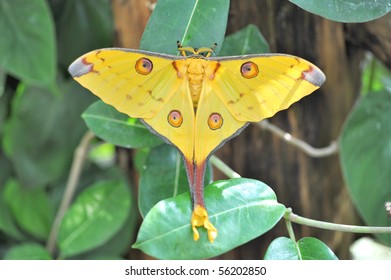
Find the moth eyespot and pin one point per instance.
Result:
(215, 121)
(249, 70)
(144, 66)
(175, 118)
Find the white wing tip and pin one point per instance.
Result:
(79, 67)
(314, 75)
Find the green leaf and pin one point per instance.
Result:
(6, 169)
(3, 77)
(118, 245)
(97, 215)
(163, 176)
(103, 154)
(307, 248)
(375, 76)
(139, 158)
(43, 131)
(27, 251)
(313, 249)
(346, 11)
(365, 155)
(5, 98)
(248, 40)
(90, 20)
(27, 47)
(30, 208)
(198, 23)
(7, 223)
(240, 209)
(282, 248)
(117, 128)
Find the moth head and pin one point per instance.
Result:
(198, 52)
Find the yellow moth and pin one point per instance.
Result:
(196, 102)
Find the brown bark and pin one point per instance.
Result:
(374, 36)
(130, 18)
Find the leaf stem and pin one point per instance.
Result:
(73, 179)
(372, 73)
(289, 215)
(230, 173)
(302, 145)
(288, 224)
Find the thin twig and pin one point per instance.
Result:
(302, 145)
(73, 179)
(291, 232)
(333, 226)
(224, 168)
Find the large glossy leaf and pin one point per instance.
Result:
(163, 176)
(97, 214)
(117, 128)
(365, 156)
(196, 23)
(346, 10)
(27, 45)
(27, 251)
(307, 248)
(90, 20)
(30, 208)
(43, 130)
(248, 40)
(241, 209)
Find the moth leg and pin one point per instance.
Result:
(211, 50)
(180, 48)
(199, 218)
